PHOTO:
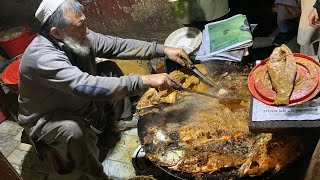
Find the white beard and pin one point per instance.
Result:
(82, 49)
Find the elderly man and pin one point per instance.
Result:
(64, 103)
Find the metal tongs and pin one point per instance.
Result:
(195, 70)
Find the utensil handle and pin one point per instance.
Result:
(187, 63)
(179, 88)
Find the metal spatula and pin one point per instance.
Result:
(180, 88)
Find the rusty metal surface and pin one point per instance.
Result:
(140, 19)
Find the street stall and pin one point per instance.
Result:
(197, 130)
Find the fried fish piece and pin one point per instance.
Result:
(190, 82)
(179, 76)
(271, 153)
(282, 70)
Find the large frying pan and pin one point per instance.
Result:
(155, 119)
(294, 171)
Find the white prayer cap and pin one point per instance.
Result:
(46, 9)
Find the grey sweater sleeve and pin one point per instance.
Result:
(113, 47)
(57, 72)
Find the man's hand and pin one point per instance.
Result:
(159, 81)
(175, 54)
(313, 18)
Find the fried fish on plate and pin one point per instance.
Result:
(282, 69)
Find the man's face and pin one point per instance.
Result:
(74, 34)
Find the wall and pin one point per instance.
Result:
(139, 19)
(18, 12)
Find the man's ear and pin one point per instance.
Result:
(55, 33)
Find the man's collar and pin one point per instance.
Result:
(54, 41)
(59, 43)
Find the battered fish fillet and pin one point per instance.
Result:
(272, 153)
(282, 70)
(153, 97)
(179, 76)
(190, 82)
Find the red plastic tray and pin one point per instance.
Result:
(307, 82)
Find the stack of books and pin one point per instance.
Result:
(227, 39)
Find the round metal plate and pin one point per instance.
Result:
(188, 38)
